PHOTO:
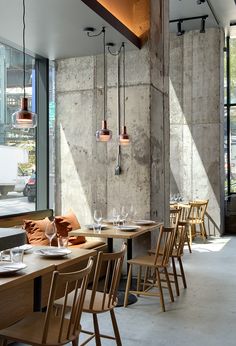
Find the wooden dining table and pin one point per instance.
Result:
(27, 290)
(110, 233)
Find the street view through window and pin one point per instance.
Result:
(18, 146)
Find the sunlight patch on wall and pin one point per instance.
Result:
(71, 186)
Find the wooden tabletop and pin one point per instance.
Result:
(111, 232)
(38, 265)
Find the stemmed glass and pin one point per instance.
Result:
(116, 217)
(50, 231)
(124, 213)
(97, 216)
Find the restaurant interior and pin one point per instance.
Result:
(117, 172)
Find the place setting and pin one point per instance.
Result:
(124, 219)
(11, 261)
(53, 251)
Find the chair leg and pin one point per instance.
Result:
(190, 235)
(169, 284)
(139, 278)
(203, 230)
(115, 328)
(75, 342)
(160, 290)
(3, 341)
(96, 330)
(188, 243)
(175, 276)
(128, 286)
(182, 272)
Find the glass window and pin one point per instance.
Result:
(233, 70)
(17, 146)
(51, 134)
(233, 149)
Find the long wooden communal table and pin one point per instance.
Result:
(27, 290)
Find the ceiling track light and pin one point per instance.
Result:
(203, 26)
(180, 32)
(23, 118)
(179, 22)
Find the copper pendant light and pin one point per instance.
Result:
(104, 134)
(23, 118)
(124, 138)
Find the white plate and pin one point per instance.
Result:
(53, 252)
(10, 268)
(128, 228)
(144, 222)
(26, 247)
(91, 226)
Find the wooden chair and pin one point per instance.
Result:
(195, 218)
(103, 295)
(183, 219)
(156, 264)
(50, 328)
(177, 252)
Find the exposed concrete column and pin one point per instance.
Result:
(196, 119)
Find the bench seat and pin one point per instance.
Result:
(15, 237)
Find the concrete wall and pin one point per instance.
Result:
(85, 169)
(196, 119)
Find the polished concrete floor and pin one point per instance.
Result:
(204, 314)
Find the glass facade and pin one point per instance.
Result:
(230, 116)
(17, 146)
(51, 134)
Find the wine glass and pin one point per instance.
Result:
(124, 213)
(115, 217)
(97, 216)
(50, 231)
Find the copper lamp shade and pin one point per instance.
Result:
(124, 138)
(23, 118)
(104, 134)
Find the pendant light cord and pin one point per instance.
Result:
(124, 96)
(24, 46)
(104, 71)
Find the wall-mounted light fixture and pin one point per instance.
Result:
(103, 134)
(179, 22)
(23, 118)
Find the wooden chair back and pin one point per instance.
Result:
(108, 290)
(174, 217)
(59, 328)
(179, 230)
(197, 211)
(164, 248)
(184, 210)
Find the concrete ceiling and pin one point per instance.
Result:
(225, 11)
(54, 28)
